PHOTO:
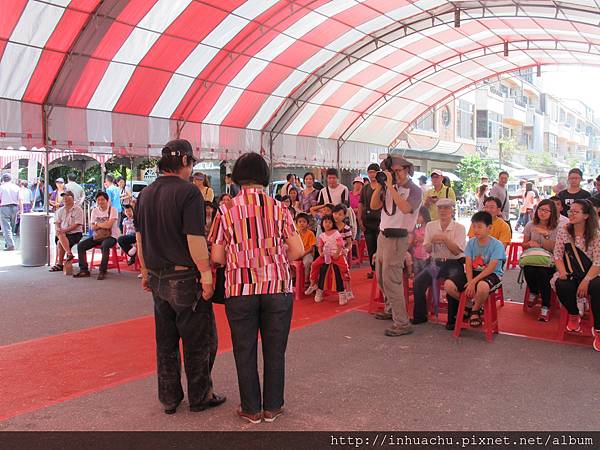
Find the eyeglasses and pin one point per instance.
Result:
(546, 210)
(575, 212)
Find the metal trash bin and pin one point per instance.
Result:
(34, 239)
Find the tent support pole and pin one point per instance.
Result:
(339, 146)
(271, 156)
(46, 179)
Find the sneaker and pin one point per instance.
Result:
(544, 314)
(271, 416)
(248, 417)
(310, 290)
(319, 296)
(581, 302)
(382, 315)
(596, 343)
(395, 330)
(531, 301)
(343, 298)
(573, 323)
(132, 251)
(349, 295)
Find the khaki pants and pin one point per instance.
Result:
(390, 264)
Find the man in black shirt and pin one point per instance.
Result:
(573, 191)
(175, 265)
(368, 218)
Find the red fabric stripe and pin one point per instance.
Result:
(11, 12)
(107, 48)
(195, 105)
(44, 74)
(66, 31)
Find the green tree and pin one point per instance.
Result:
(471, 168)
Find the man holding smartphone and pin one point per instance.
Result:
(436, 192)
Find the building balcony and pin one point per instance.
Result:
(513, 113)
(530, 117)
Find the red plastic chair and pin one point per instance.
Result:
(356, 246)
(514, 250)
(498, 295)
(113, 261)
(587, 323)
(376, 302)
(490, 317)
(299, 285)
(538, 301)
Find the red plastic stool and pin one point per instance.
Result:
(299, 286)
(498, 294)
(538, 300)
(587, 323)
(513, 254)
(113, 261)
(490, 317)
(376, 302)
(359, 257)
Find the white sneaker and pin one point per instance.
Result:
(531, 301)
(343, 298)
(581, 302)
(310, 290)
(349, 295)
(132, 251)
(319, 296)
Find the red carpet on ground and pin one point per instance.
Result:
(57, 368)
(54, 369)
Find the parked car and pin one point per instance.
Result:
(276, 186)
(136, 187)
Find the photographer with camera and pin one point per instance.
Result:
(400, 200)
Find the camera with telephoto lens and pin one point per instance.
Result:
(386, 165)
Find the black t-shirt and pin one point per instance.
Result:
(567, 198)
(167, 211)
(371, 217)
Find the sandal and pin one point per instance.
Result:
(56, 268)
(467, 313)
(475, 319)
(69, 257)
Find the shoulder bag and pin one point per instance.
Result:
(576, 262)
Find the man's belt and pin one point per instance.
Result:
(443, 260)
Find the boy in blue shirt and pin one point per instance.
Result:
(484, 258)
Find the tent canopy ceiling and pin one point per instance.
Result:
(358, 70)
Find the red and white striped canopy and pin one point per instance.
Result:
(305, 76)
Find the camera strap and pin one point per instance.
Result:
(394, 206)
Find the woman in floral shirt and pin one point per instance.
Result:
(581, 232)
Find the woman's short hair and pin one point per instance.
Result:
(553, 220)
(101, 194)
(251, 168)
(309, 174)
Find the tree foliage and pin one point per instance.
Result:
(471, 168)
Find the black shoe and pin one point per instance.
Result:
(101, 275)
(82, 274)
(416, 321)
(131, 261)
(215, 401)
(170, 410)
(450, 326)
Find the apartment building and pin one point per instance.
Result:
(510, 120)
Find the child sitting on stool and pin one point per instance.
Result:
(330, 270)
(484, 256)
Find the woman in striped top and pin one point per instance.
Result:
(255, 239)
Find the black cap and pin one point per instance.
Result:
(179, 147)
(69, 193)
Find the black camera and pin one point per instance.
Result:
(386, 165)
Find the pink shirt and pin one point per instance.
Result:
(418, 248)
(331, 242)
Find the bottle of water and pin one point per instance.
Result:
(581, 303)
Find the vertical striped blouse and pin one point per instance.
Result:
(253, 230)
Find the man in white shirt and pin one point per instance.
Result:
(76, 189)
(69, 229)
(10, 204)
(334, 193)
(445, 240)
(399, 201)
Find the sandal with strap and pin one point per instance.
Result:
(475, 319)
(56, 268)
(69, 257)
